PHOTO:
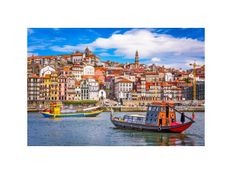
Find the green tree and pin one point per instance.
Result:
(187, 80)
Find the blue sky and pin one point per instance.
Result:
(171, 47)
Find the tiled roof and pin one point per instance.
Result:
(77, 54)
(124, 81)
(33, 76)
(151, 73)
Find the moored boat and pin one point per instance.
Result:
(55, 112)
(160, 117)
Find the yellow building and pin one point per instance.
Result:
(54, 87)
(46, 83)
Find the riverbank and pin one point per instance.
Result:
(138, 109)
(32, 110)
(144, 109)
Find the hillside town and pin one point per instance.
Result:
(84, 76)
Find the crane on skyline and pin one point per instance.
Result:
(194, 65)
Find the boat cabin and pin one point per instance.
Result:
(135, 118)
(161, 114)
(55, 108)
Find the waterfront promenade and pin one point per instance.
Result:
(133, 108)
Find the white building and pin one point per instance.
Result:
(77, 57)
(78, 93)
(46, 70)
(93, 89)
(100, 64)
(77, 71)
(123, 89)
(168, 77)
(88, 70)
(129, 77)
(191, 76)
(89, 89)
(102, 94)
(71, 93)
(84, 90)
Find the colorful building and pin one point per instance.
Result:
(54, 87)
(34, 88)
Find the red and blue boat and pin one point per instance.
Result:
(160, 117)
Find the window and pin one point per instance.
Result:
(162, 109)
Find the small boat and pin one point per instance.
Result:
(160, 117)
(55, 112)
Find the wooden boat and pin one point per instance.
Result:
(160, 117)
(55, 112)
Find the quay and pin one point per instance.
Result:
(143, 109)
(128, 106)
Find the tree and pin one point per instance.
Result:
(187, 80)
(80, 102)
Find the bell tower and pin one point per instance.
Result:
(136, 58)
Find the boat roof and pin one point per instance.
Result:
(136, 115)
(163, 103)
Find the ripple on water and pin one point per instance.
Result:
(99, 131)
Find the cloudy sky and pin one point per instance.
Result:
(171, 47)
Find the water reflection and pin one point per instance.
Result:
(174, 139)
(159, 139)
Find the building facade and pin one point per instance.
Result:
(71, 93)
(123, 89)
(34, 88)
(89, 89)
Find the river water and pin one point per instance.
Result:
(99, 131)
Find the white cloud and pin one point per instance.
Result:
(36, 47)
(149, 44)
(71, 48)
(65, 48)
(104, 54)
(155, 59)
(152, 47)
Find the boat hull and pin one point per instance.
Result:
(87, 114)
(142, 127)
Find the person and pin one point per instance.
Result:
(182, 118)
(173, 120)
(160, 122)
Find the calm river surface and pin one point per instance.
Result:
(99, 131)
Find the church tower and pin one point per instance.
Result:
(136, 58)
(88, 52)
